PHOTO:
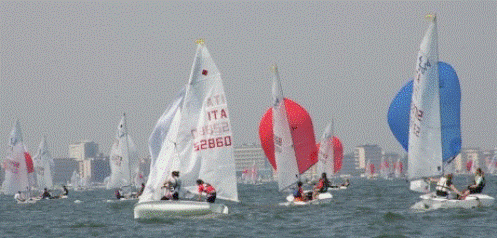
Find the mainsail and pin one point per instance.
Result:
(123, 158)
(287, 137)
(18, 166)
(44, 165)
(194, 135)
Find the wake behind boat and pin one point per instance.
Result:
(193, 137)
(425, 118)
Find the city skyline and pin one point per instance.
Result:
(70, 70)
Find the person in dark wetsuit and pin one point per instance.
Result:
(46, 194)
(66, 192)
(477, 186)
(118, 194)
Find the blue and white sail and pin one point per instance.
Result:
(425, 115)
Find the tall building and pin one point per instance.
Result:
(473, 155)
(63, 169)
(100, 168)
(364, 153)
(248, 155)
(83, 152)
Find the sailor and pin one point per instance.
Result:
(173, 186)
(46, 194)
(444, 184)
(66, 192)
(477, 186)
(298, 193)
(118, 194)
(18, 197)
(141, 190)
(321, 186)
(208, 189)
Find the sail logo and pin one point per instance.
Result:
(40, 171)
(205, 72)
(416, 118)
(117, 160)
(422, 67)
(12, 166)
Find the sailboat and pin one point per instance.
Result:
(425, 118)
(123, 161)
(43, 165)
(18, 166)
(287, 138)
(194, 137)
(369, 170)
(330, 155)
(398, 169)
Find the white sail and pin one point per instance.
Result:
(325, 155)
(425, 140)
(195, 136)
(44, 165)
(75, 180)
(123, 158)
(286, 161)
(18, 166)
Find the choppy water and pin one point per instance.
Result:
(376, 208)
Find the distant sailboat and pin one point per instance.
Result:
(427, 109)
(194, 137)
(287, 138)
(18, 166)
(123, 159)
(43, 163)
(330, 154)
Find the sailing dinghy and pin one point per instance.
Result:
(19, 167)
(194, 137)
(330, 155)
(425, 118)
(123, 162)
(43, 165)
(287, 138)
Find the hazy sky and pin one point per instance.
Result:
(70, 69)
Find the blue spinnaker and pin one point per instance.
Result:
(450, 112)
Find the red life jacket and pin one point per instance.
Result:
(207, 188)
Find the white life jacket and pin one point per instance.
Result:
(442, 185)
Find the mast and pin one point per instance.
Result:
(125, 128)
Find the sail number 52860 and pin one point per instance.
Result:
(212, 143)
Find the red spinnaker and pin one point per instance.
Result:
(29, 163)
(302, 133)
(337, 154)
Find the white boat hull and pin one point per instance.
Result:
(322, 198)
(165, 209)
(431, 201)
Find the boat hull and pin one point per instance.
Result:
(165, 209)
(431, 201)
(322, 198)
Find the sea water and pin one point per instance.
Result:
(368, 208)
